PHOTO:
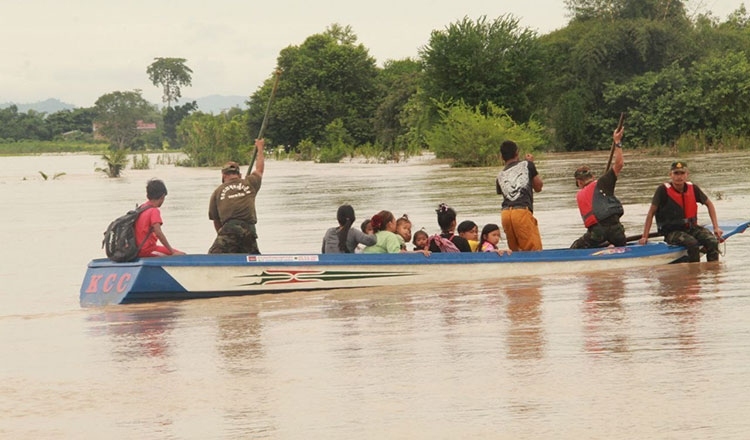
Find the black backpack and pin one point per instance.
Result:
(119, 238)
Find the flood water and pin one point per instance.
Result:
(661, 352)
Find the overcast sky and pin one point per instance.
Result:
(78, 50)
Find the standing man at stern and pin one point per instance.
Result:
(675, 204)
(600, 209)
(232, 208)
(517, 182)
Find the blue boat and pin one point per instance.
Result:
(208, 276)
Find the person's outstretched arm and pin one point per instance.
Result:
(260, 162)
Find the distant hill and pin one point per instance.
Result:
(208, 104)
(217, 103)
(48, 106)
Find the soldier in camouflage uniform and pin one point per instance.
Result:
(232, 208)
(675, 205)
(599, 207)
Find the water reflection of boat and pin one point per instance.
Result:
(208, 276)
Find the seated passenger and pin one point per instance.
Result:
(491, 238)
(148, 226)
(366, 227)
(344, 239)
(421, 240)
(447, 241)
(403, 229)
(384, 226)
(470, 231)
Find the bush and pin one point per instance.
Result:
(142, 162)
(116, 160)
(473, 139)
(307, 150)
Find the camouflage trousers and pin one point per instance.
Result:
(236, 237)
(601, 236)
(693, 239)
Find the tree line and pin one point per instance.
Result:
(682, 81)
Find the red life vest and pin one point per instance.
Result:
(585, 199)
(595, 206)
(686, 201)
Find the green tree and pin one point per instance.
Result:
(398, 81)
(484, 61)
(170, 74)
(16, 126)
(172, 118)
(611, 10)
(325, 78)
(710, 99)
(610, 45)
(79, 119)
(117, 116)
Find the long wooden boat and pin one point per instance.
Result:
(208, 276)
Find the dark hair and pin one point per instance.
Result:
(364, 224)
(381, 219)
(489, 227)
(445, 217)
(345, 217)
(583, 173)
(155, 189)
(417, 234)
(466, 226)
(508, 150)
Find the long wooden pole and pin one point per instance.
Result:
(612, 150)
(265, 118)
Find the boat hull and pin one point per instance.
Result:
(207, 276)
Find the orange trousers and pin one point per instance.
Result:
(521, 229)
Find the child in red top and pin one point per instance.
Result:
(149, 224)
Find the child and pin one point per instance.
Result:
(470, 231)
(403, 230)
(149, 224)
(421, 240)
(490, 239)
(366, 227)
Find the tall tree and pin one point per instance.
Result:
(611, 10)
(327, 77)
(170, 74)
(399, 81)
(607, 45)
(484, 61)
(80, 119)
(117, 116)
(172, 119)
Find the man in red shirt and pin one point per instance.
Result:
(148, 225)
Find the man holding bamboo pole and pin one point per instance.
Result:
(599, 207)
(232, 207)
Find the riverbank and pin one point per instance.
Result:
(30, 148)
